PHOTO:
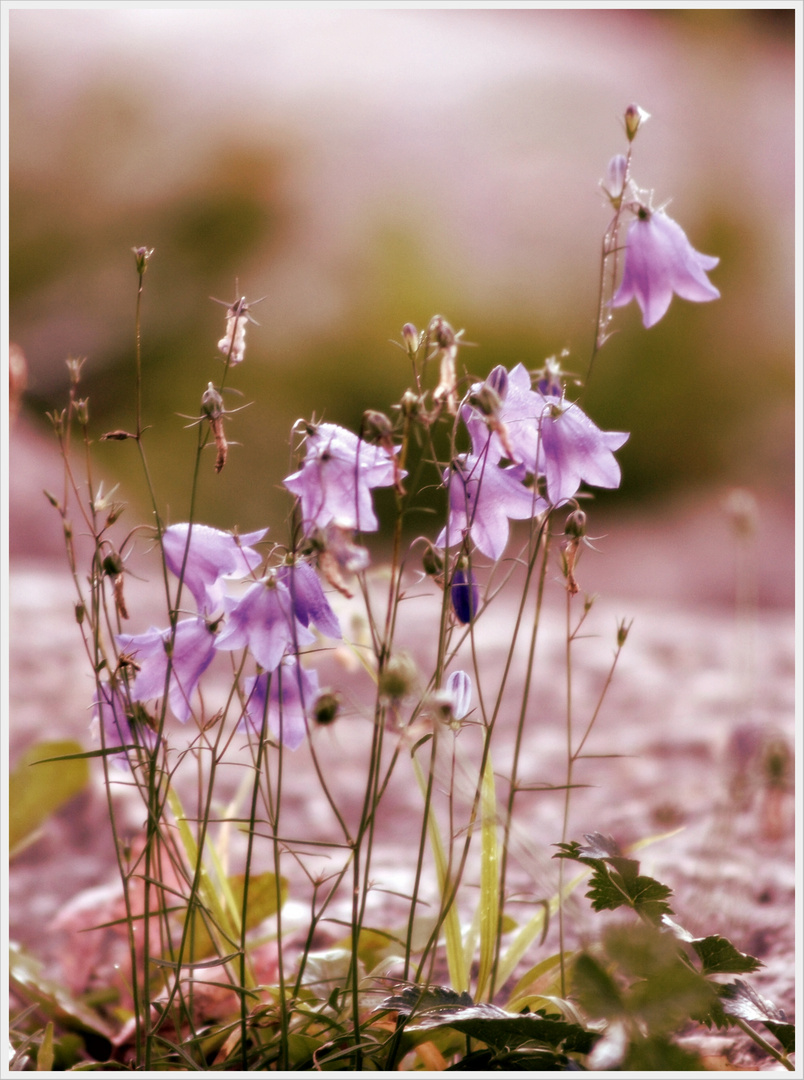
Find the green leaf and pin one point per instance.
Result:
(785, 1033)
(53, 999)
(36, 789)
(264, 899)
(437, 1006)
(616, 881)
(718, 955)
(489, 905)
(44, 1058)
(660, 1055)
(598, 994)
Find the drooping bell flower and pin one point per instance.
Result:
(310, 605)
(660, 261)
(336, 477)
(193, 652)
(482, 497)
(575, 450)
(292, 694)
(213, 556)
(263, 621)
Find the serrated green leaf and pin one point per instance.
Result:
(435, 1007)
(717, 954)
(598, 994)
(37, 788)
(785, 1033)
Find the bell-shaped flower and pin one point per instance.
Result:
(660, 261)
(574, 449)
(212, 557)
(336, 477)
(309, 602)
(192, 653)
(263, 621)
(512, 430)
(285, 704)
(111, 714)
(482, 497)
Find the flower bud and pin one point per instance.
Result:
(377, 428)
(442, 333)
(51, 498)
(575, 525)
(326, 707)
(211, 403)
(112, 565)
(80, 612)
(464, 595)
(486, 400)
(398, 680)
(432, 562)
(82, 411)
(410, 336)
(634, 118)
(498, 382)
(410, 404)
(459, 688)
(142, 255)
(622, 633)
(616, 177)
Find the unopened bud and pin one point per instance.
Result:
(575, 525)
(464, 595)
(622, 633)
(635, 117)
(68, 530)
(486, 399)
(112, 565)
(142, 255)
(51, 498)
(498, 382)
(410, 336)
(326, 707)
(82, 411)
(57, 420)
(80, 612)
(410, 404)
(399, 678)
(442, 333)
(616, 176)
(377, 428)
(432, 562)
(211, 403)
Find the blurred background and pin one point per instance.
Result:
(364, 168)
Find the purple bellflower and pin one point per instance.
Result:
(309, 602)
(660, 261)
(482, 497)
(292, 693)
(111, 713)
(193, 651)
(263, 621)
(575, 449)
(514, 432)
(213, 556)
(336, 477)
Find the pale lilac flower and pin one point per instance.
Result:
(292, 694)
(213, 556)
(111, 712)
(660, 261)
(309, 603)
(263, 621)
(482, 497)
(193, 651)
(514, 430)
(336, 477)
(575, 449)
(459, 690)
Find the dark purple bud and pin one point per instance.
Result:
(498, 381)
(464, 594)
